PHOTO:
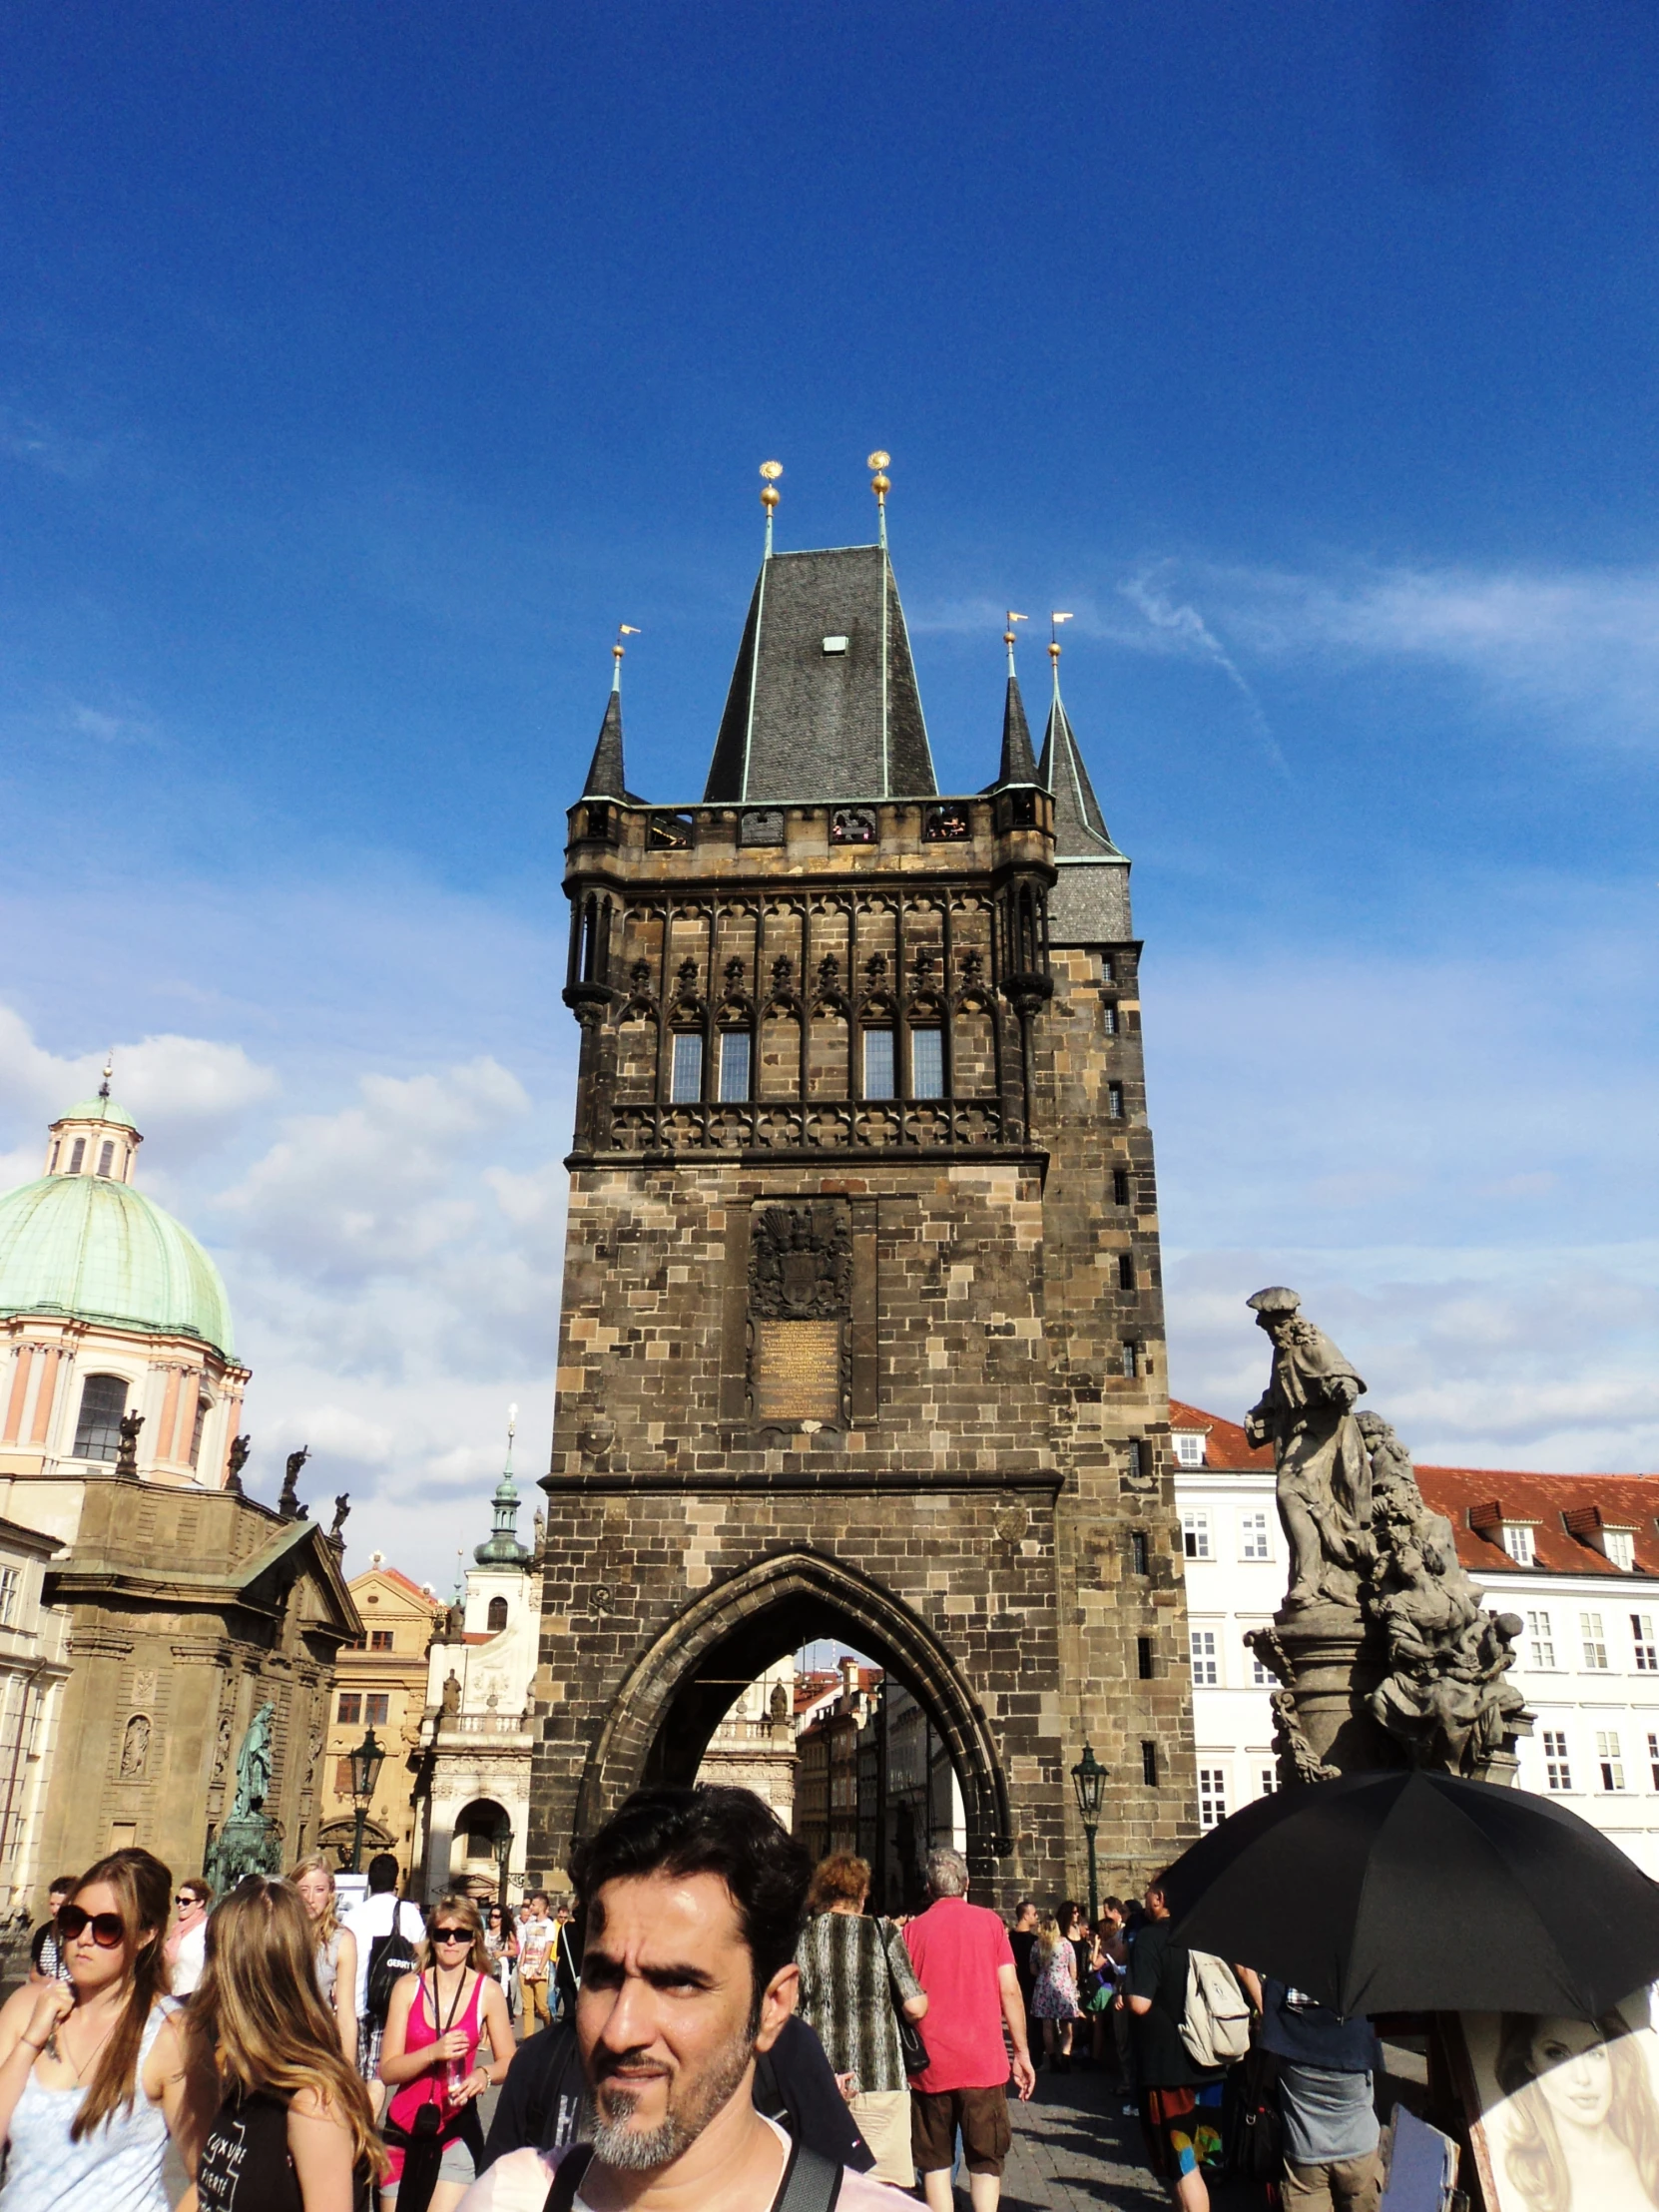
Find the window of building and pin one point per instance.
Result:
(1149, 1763)
(1126, 1271)
(1206, 1671)
(1120, 1186)
(1140, 1561)
(1109, 1017)
(1594, 1639)
(1518, 1542)
(1540, 1640)
(1189, 1449)
(1641, 1635)
(380, 1639)
(77, 1153)
(1252, 1536)
(377, 1708)
(52, 1164)
(686, 1074)
(351, 1708)
(98, 1431)
(879, 1063)
(1259, 1679)
(1212, 1797)
(1609, 1759)
(201, 1423)
(1108, 967)
(1653, 1759)
(1557, 1772)
(1621, 1547)
(1114, 1101)
(1195, 1534)
(479, 1845)
(1269, 1779)
(928, 1063)
(1129, 1357)
(734, 1064)
(10, 1580)
(1143, 1657)
(106, 1156)
(496, 1618)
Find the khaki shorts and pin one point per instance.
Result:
(882, 2118)
(982, 2116)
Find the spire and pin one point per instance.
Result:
(1018, 764)
(605, 774)
(1080, 831)
(502, 1547)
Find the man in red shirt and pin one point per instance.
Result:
(964, 1962)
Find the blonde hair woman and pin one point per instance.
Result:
(1054, 1991)
(337, 1948)
(93, 2070)
(432, 2058)
(1585, 2126)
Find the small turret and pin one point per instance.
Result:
(605, 778)
(502, 1547)
(1018, 764)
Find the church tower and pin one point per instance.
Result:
(862, 1327)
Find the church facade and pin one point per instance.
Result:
(863, 1330)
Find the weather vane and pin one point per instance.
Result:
(1008, 636)
(623, 630)
(881, 483)
(1054, 621)
(770, 495)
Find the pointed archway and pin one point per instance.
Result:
(674, 1696)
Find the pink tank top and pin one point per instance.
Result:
(422, 2031)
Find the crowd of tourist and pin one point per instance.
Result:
(732, 2030)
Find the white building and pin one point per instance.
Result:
(1576, 1555)
(754, 1746)
(476, 1738)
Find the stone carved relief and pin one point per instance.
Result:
(134, 1748)
(801, 1263)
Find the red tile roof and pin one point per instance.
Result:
(395, 1574)
(1565, 1510)
(1224, 1441)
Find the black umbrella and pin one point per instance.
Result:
(1407, 1892)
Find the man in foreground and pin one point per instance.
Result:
(694, 1902)
(964, 1962)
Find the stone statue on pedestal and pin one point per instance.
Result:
(249, 1842)
(1383, 1653)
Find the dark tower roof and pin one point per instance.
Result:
(1080, 831)
(824, 702)
(605, 775)
(1018, 764)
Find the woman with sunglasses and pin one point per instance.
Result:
(431, 2060)
(93, 2069)
(337, 1948)
(293, 2130)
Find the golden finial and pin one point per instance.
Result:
(881, 483)
(1054, 621)
(771, 471)
(623, 630)
(1008, 636)
(109, 1071)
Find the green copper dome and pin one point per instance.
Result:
(101, 1250)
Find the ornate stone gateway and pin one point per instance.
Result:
(862, 1333)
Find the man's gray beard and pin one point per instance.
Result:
(644, 2150)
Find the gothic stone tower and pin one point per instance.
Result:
(862, 1332)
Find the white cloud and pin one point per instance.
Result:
(1577, 646)
(169, 1079)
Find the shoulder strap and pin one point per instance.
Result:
(812, 2183)
(567, 2178)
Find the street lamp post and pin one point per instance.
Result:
(365, 1764)
(503, 1851)
(1088, 1779)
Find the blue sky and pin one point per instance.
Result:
(362, 368)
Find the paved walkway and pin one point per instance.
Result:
(1074, 2150)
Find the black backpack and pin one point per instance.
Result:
(390, 1957)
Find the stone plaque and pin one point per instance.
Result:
(798, 1370)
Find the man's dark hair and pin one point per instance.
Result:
(382, 1872)
(67, 1882)
(729, 1833)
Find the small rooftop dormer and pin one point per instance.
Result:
(94, 1137)
(1512, 1532)
(1614, 1540)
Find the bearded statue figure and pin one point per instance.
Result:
(1322, 1471)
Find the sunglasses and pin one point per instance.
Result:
(451, 1935)
(109, 1930)
(184, 1901)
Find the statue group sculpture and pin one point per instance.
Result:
(1380, 1618)
(248, 1841)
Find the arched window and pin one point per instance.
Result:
(98, 1431)
(496, 1619)
(106, 1156)
(203, 1404)
(78, 1152)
